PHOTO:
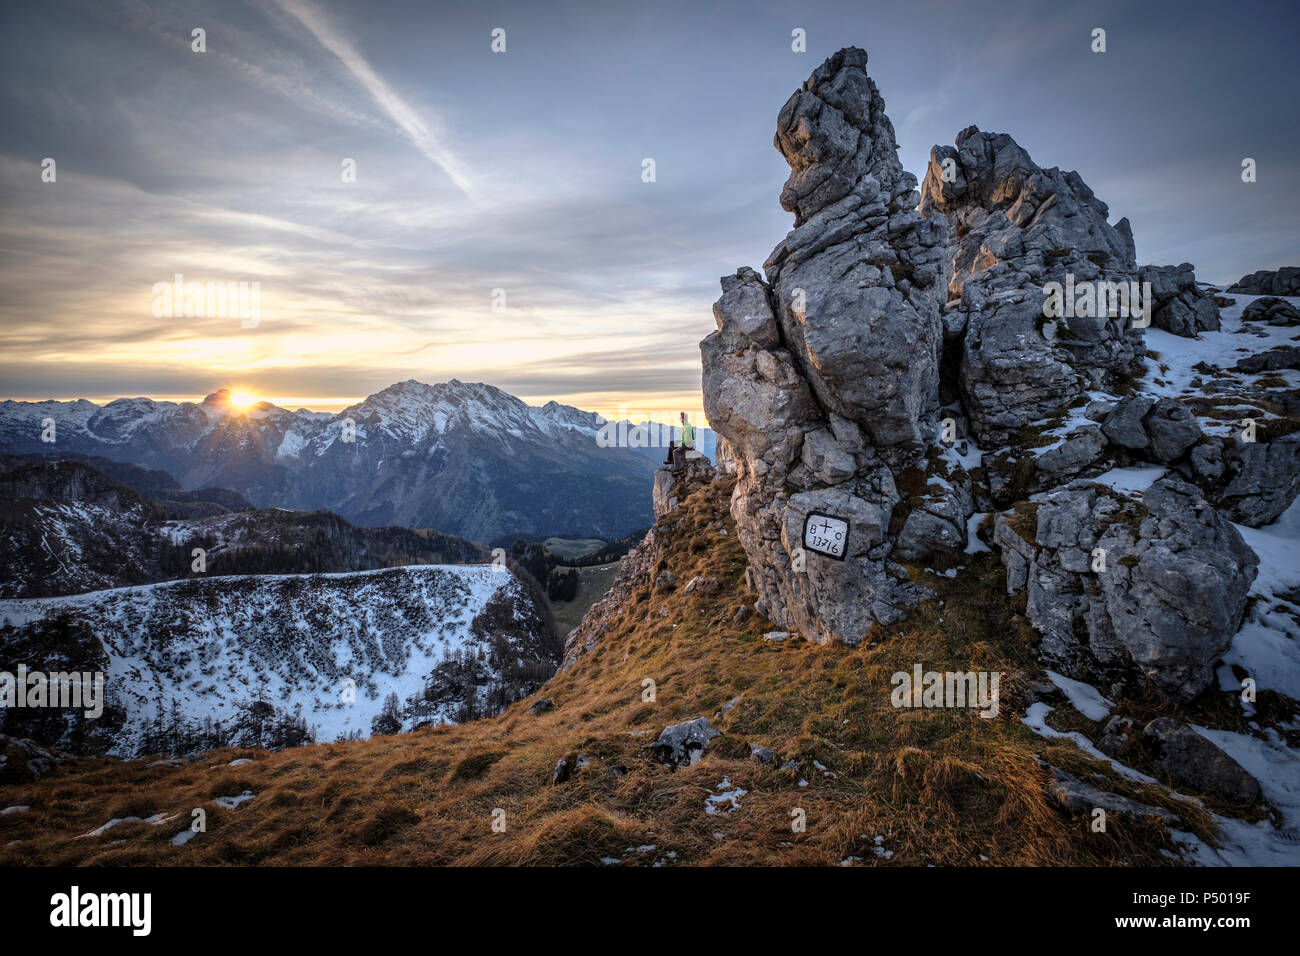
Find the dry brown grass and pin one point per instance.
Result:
(940, 787)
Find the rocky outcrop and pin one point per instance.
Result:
(828, 378)
(1015, 227)
(1165, 600)
(1178, 304)
(1270, 310)
(670, 487)
(823, 379)
(1252, 483)
(23, 760)
(1284, 281)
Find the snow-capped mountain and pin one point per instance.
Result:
(468, 459)
(272, 660)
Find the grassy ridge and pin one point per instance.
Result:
(936, 786)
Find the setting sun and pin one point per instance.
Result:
(242, 399)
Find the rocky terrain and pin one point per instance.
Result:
(900, 369)
(461, 458)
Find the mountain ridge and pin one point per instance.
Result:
(464, 458)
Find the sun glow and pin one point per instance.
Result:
(242, 399)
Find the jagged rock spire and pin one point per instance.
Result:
(825, 375)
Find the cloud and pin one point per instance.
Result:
(385, 96)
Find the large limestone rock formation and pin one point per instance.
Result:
(1014, 228)
(824, 378)
(884, 313)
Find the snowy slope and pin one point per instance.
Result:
(262, 649)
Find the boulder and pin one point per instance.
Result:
(1275, 359)
(1182, 757)
(1078, 451)
(684, 743)
(1258, 480)
(23, 760)
(1123, 425)
(1159, 430)
(1271, 310)
(1178, 304)
(1168, 601)
(1172, 428)
(1076, 797)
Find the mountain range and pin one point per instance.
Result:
(464, 458)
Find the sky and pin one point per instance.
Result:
(499, 227)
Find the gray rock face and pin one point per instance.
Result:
(1179, 306)
(1171, 596)
(1252, 483)
(661, 493)
(1082, 448)
(1015, 227)
(1284, 281)
(1271, 310)
(1160, 430)
(684, 743)
(1184, 758)
(856, 285)
(823, 379)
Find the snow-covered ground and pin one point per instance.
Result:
(1172, 372)
(1268, 644)
(327, 647)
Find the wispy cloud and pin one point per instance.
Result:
(401, 112)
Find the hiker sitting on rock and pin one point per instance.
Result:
(678, 450)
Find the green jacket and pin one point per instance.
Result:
(688, 435)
